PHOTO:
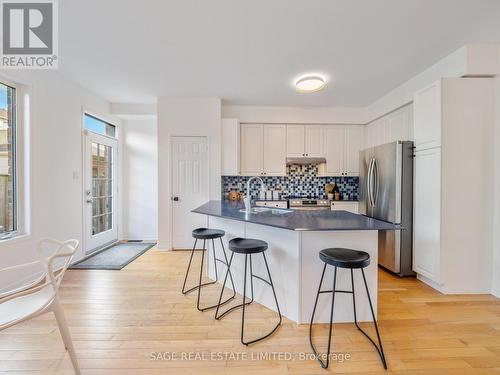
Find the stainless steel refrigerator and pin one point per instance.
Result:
(386, 193)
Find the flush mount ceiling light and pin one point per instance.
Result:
(310, 83)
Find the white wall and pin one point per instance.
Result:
(496, 195)
(56, 207)
(185, 117)
(295, 115)
(470, 60)
(139, 179)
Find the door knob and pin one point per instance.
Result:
(89, 201)
(175, 199)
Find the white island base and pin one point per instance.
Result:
(295, 267)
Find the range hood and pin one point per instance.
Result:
(305, 160)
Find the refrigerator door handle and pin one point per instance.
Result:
(369, 183)
(375, 182)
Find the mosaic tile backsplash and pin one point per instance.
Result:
(300, 181)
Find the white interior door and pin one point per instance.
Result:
(189, 187)
(100, 191)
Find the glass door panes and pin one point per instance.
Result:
(102, 188)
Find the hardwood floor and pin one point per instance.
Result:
(120, 320)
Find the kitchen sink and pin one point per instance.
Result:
(280, 211)
(255, 210)
(260, 210)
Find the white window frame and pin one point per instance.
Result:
(23, 161)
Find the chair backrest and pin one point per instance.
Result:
(51, 251)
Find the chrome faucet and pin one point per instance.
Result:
(248, 198)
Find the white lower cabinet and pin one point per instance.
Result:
(427, 214)
(452, 239)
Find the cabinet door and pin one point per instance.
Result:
(274, 150)
(427, 214)
(314, 141)
(354, 143)
(334, 149)
(375, 133)
(230, 147)
(427, 117)
(295, 141)
(252, 149)
(369, 135)
(399, 125)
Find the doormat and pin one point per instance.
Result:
(115, 257)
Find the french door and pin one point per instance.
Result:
(101, 191)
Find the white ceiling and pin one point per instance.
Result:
(249, 51)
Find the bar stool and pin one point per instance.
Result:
(248, 247)
(206, 234)
(350, 259)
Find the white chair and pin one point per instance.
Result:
(41, 295)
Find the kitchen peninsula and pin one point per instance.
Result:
(295, 239)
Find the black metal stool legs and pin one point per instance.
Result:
(379, 348)
(325, 363)
(270, 283)
(217, 316)
(200, 284)
(244, 303)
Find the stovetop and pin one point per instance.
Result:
(308, 202)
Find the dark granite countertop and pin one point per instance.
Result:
(299, 220)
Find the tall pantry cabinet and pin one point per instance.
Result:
(453, 133)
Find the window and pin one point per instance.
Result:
(8, 195)
(99, 126)
(102, 188)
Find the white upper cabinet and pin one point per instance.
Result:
(295, 146)
(334, 141)
(314, 141)
(342, 145)
(354, 143)
(263, 150)
(230, 148)
(304, 141)
(252, 149)
(398, 125)
(265, 147)
(274, 150)
(395, 126)
(427, 118)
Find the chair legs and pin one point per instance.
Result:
(244, 303)
(325, 363)
(200, 284)
(66, 336)
(379, 348)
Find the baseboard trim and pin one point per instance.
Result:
(442, 288)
